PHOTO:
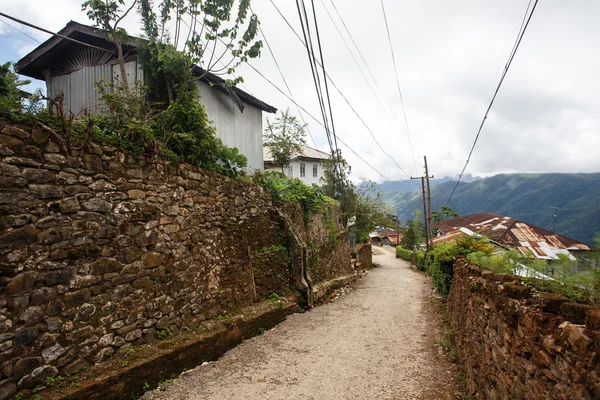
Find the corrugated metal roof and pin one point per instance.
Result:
(527, 238)
(307, 152)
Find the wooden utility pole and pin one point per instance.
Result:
(427, 242)
(429, 204)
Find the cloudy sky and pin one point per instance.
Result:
(450, 56)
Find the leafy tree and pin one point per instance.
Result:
(10, 94)
(413, 232)
(363, 200)
(445, 212)
(285, 136)
(216, 32)
(107, 14)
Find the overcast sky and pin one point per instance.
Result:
(450, 56)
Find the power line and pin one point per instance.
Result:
(387, 28)
(285, 82)
(320, 123)
(304, 23)
(507, 66)
(19, 30)
(342, 94)
(356, 61)
(53, 33)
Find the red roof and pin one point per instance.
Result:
(510, 232)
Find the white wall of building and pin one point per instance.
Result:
(234, 128)
(294, 171)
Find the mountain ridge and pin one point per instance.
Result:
(530, 197)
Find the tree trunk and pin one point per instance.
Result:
(124, 82)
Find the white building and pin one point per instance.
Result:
(306, 165)
(74, 69)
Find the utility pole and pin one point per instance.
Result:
(429, 204)
(422, 178)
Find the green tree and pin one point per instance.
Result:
(216, 34)
(362, 200)
(284, 137)
(445, 212)
(107, 14)
(413, 232)
(10, 94)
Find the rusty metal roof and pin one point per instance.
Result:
(527, 238)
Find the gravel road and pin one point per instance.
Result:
(376, 342)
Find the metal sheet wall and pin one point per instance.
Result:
(234, 128)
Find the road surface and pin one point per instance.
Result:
(379, 341)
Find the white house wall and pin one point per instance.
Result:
(294, 172)
(234, 128)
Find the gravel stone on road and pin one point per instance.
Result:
(379, 341)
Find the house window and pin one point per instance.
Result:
(315, 170)
(290, 172)
(302, 170)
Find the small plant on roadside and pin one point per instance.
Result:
(18, 396)
(163, 333)
(224, 317)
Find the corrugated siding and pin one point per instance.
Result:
(234, 128)
(80, 89)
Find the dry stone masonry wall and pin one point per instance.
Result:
(103, 251)
(515, 345)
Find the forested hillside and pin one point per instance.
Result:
(528, 197)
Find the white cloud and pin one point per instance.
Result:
(450, 56)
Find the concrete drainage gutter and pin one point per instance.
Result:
(129, 376)
(321, 290)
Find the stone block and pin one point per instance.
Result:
(575, 312)
(22, 283)
(37, 377)
(105, 265)
(77, 297)
(52, 353)
(20, 236)
(15, 132)
(24, 366)
(25, 336)
(7, 389)
(46, 191)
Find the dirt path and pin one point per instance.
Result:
(377, 342)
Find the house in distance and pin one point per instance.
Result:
(74, 69)
(306, 165)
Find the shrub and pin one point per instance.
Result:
(403, 253)
(284, 188)
(441, 267)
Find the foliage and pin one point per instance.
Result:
(441, 265)
(284, 137)
(107, 14)
(421, 260)
(403, 253)
(284, 188)
(577, 280)
(10, 94)
(211, 24)
(365, 200)
(445, 212)
(413, 232)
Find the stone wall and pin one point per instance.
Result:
(513, 344)
(104, 250)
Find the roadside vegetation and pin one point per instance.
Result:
(578, 280)
(163, 115)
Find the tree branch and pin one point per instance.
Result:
(126, 12)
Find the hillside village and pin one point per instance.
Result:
(167, 234)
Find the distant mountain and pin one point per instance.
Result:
(415, 185)
(527, 197)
